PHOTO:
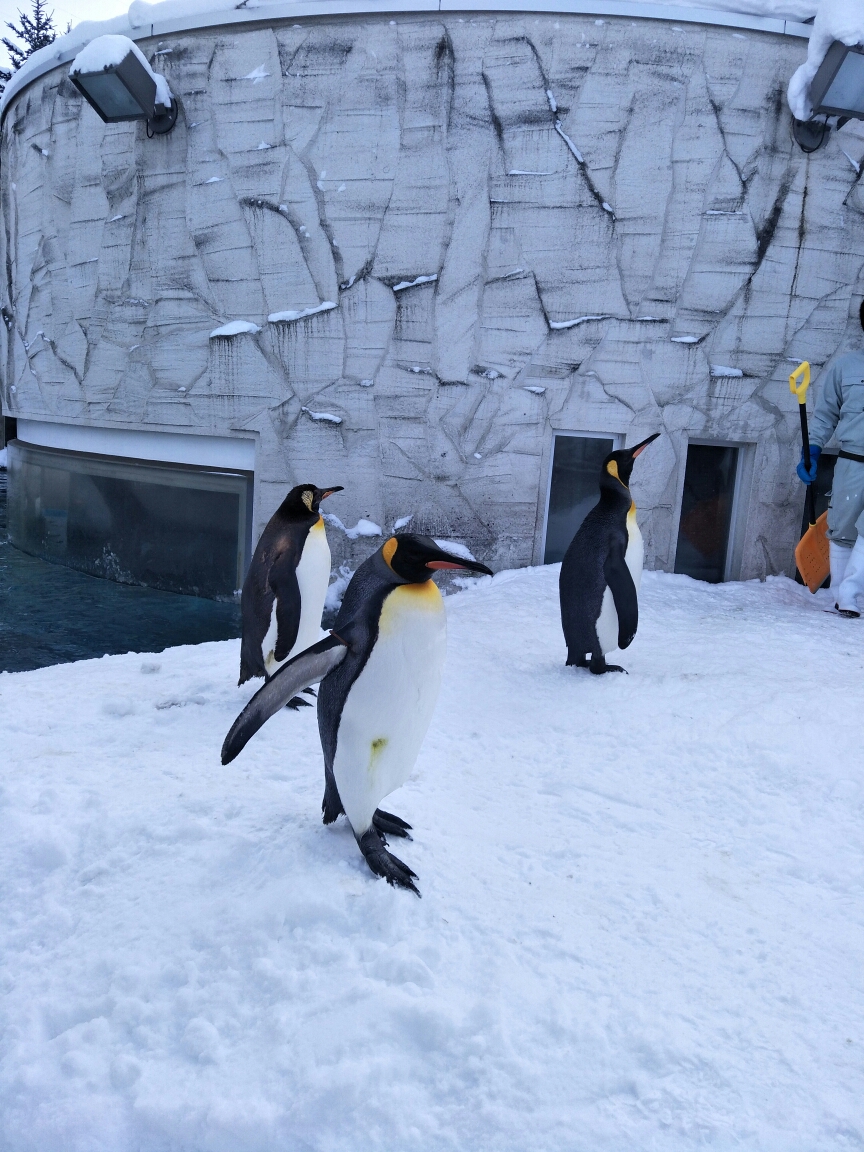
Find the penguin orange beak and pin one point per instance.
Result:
(641, 447)
(325, 492)
(465, 565)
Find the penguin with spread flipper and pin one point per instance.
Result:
(602, 569)
(379, 673)
(286, 585)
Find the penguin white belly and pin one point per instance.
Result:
(607, 621)
(390, 704)
(313, 577)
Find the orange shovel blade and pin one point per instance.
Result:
(812, 555)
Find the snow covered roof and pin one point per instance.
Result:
(169, 17)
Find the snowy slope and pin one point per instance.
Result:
(641, 924)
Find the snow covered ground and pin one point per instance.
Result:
(641, 924)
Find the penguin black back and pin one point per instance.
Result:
(596, 561)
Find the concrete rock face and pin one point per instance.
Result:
(526, 224)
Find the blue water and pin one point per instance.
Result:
(53, 615)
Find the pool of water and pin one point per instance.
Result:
(53, 615)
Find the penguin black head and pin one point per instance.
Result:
(618, 465)
(305, 498)
(414, 558)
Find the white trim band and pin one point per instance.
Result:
(164, 447)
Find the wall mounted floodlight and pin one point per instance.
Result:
(837, 89)
(114, 77)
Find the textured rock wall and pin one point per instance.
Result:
(601, 210)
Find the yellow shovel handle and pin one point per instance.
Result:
(799, 381)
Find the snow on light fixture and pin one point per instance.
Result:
(837, 89)
(114, 77)
(830, 83)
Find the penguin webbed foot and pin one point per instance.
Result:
(389, 825)
(310, 692)
(384, 863)
(297, 702)
(598, 667)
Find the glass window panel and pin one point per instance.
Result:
(706, 512)
(108, 91)
(575, 489)
(162, 526)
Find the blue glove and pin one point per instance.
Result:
(803, 475)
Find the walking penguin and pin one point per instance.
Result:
(602, 569)
(286, 585)
(379, 671)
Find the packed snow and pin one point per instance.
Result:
(361, 528)
(641, 923)
(326, 417)
(841, 20)
(107, 52)
(300, 313)
(403, 284)
(456, 549)
(575, 322)
(235, 328)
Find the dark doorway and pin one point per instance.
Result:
(706, 512)
(574, 490)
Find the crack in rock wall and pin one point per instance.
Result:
(525, 224)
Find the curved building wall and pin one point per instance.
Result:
(501, 226)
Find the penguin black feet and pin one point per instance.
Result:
(384, 863)
(389, 825)
(599, 666)
(310, 692)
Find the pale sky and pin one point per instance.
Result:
(64, 11)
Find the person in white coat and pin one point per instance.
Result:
(839, 411)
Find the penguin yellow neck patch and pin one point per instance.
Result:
(612, 469)
(388, 550)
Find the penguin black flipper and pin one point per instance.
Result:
(308, 667)
(283, 583)
(620, 583)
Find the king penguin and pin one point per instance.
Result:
(602, 569)
(379, 673)
(286, 585)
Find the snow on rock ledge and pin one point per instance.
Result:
(235, 328)
(326, 417)
(361, 528)
(288, 317)
(841, 20)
